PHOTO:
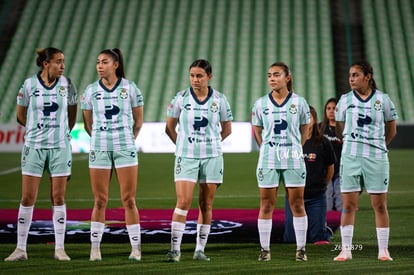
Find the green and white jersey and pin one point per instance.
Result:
(47, 124)
(281, 147)
(199, 123)
(112, 114)
(364, 123)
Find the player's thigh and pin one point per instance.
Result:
(268, 178)
(376, 174)
(186, 169)
(211, 170)
(350, 174)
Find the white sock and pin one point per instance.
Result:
(177, 231)
(347, 232)
(97, 229)
(383, 235)
(202, 235)
(59, 224)
(300, 225)
(24, 220)
(134, 233)
(265, 230)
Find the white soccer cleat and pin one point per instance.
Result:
(61, 255)
(384, 256)
(200, 256)
(95, 255)
(17, 255)
(173, 256)
(135, 255)
(345, 255)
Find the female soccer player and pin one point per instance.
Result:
(366, 119)
(113, 115)
(280, 122)
(46, 106)
(204, 119)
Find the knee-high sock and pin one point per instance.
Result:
(24, 220)
(347, 232)
(202, 236)
(300, 225)
(97, 230)
(383, 235)
(177, 231)
(265, 230)
(134, 233)
(59, 224)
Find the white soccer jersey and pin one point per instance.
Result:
(112, 114)
(364, 123)
(199, 123)
(281, 147)
(47, 123)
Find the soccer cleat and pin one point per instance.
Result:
(135, 255)
(264, 255)
(61, 255)
(95, 255)
(174, 256)
(17, 255)
(345, 255)
(301, 255)
(384, 256)
(199, 255)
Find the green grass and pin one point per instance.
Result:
(156, 190)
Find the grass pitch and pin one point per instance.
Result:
(156, 190)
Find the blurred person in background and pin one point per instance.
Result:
(46, 106)
(280, 121)
(319, 159)
(204, 118)
(328, 128)
(113, 116)
(366, 122)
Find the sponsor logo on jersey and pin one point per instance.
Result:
(363, 120)
(280, 125)
(50, 107)
(200, 122)
(111, 110)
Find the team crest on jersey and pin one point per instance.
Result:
(293, 109)
(123, 93)
(62, 91)
(377, 105)
(214, 107)
(92, 156)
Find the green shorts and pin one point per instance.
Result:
(110, 159)
(359, 172)
(270, 178)
(57, 161)
(207, 170)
